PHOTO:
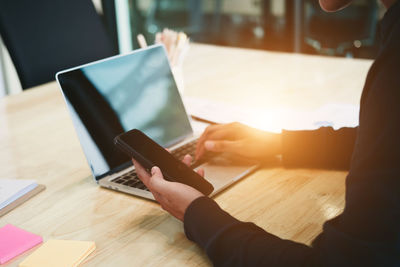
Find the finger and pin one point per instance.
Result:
(141, 172)
(204, 135)
(227, 133)
(200, 171)
(156, 175)
(220, 131)
(210, 129)
(224, 146)
(159, 187)
(157, 181)
(187, 159)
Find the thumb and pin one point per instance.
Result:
(156, 175)
(224, 146)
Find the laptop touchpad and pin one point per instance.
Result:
(224, 169)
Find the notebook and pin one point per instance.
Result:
(22, 199)
(14, 241)
(12, 189)
(60, 253)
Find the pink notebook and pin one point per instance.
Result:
(14, 241)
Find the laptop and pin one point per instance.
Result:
(136, 91)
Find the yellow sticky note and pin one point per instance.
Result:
(59, 253)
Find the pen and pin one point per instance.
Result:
(141, 40)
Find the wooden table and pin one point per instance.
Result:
(37, 141)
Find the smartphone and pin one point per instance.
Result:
(148, 153)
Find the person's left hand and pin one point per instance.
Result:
(173, 197)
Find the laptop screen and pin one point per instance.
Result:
(115, 95)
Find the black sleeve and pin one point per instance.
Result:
(230, 242)
(322, 148)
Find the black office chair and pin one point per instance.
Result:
(46, 36)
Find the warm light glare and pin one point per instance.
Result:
(274, 120)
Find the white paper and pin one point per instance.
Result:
(336, 115)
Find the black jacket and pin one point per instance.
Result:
(367, 233)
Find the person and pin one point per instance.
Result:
(367, 233)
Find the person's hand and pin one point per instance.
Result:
(173, 197)
(239, 139)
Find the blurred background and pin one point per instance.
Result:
(293, 26)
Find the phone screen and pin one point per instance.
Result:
(148, 153)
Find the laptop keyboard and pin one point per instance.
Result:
(132, 180)
(189, 148)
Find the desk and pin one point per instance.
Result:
(37, 141)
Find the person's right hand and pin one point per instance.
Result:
(239, 139)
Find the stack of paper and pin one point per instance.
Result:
(14, 192)
(336, 115)
(60, 253)
(14, 241)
